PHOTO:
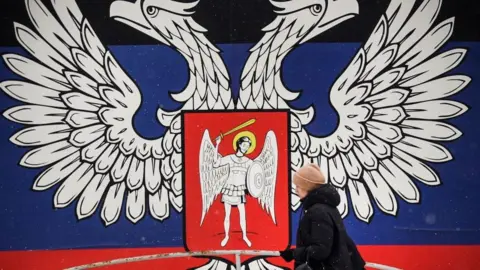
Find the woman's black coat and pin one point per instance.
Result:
(321, 234)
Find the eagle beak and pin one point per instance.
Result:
(131, 14)
(337, 12)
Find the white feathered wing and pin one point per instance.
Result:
(212, 178)
(79, 104)
(392, 101)
(268, 158)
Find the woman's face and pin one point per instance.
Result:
(301, 192)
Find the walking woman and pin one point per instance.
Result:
(322, 242)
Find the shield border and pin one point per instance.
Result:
(289, 167)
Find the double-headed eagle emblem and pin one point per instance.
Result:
(78, 104)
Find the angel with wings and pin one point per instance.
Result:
(236, 175)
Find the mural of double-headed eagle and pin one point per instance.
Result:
(78, 104)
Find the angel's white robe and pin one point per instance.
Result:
(233, 192)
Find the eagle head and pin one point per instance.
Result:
(152, 17)
(313, 17)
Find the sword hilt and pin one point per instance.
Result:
(219, 136)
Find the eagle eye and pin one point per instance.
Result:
(316, 9)
(152, 11)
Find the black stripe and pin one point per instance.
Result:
(240, 21)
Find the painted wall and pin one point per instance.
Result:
(141, 137)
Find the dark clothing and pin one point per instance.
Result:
(321, 235)
(357, 261)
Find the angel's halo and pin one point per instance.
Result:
(252, 138)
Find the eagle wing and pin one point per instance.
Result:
(392, 101)
(79, 106)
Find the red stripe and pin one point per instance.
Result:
(404, 257)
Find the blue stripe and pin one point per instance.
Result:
(447, 215)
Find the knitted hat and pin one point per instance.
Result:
(309, 177)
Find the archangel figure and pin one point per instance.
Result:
(236, 175)
(234, 190)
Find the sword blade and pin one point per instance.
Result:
(245, 124)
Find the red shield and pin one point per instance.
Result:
(209, 232)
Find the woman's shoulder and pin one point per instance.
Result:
(320, 210)
(320, 207)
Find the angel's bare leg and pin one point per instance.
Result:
(226, 223)
(243, 223)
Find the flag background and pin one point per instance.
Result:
(442, 229)
(442, 232)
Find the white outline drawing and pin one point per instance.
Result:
(79, 106)
(392, 100)
(234, 175)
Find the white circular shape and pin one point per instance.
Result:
(255, 179)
